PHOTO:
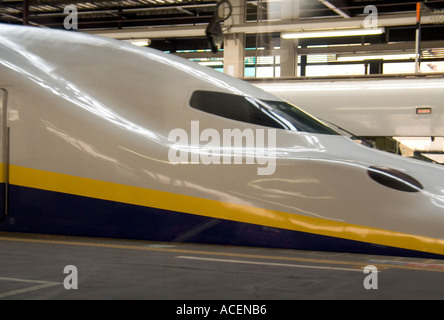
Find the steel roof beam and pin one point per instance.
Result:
(391, 20)
(336, 10)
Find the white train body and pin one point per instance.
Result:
(87, 150)
(387, 107)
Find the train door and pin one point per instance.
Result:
(4, 155)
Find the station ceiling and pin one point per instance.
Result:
(97, 15)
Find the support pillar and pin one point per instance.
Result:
(418, 38)
(234, 43)
(234, 55)
(289, 47)
(25, 12)
(289, 57)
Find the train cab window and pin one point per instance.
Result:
(231, 106)
(297, 119)
(275, 114)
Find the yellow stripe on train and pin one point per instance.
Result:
(86, 187)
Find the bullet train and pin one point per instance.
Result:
(101, 138)
(409, 106)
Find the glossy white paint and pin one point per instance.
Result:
(369, 107)
(102, 109)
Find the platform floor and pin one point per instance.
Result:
(32, 267)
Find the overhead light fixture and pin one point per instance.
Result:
(393, 56)
(211, 63)
(333, 33)
(139, 42)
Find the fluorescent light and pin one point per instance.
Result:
(400, 56)
(332, 33)
(211, 63)
(139, 42)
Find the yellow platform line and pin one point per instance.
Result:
(145, 246)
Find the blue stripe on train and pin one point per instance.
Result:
(40, 211)
(2, 201)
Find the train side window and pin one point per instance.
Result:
(275, 114)
(297, 119)
(231, 106)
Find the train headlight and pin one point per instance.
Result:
(394, 179)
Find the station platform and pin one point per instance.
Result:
(49, 267)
